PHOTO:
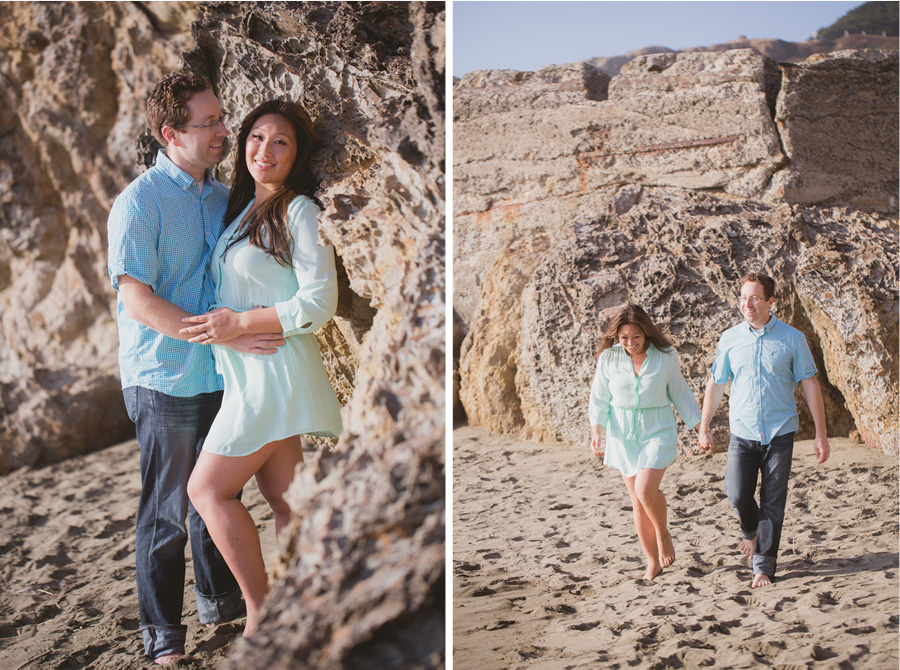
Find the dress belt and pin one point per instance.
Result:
(634, 418)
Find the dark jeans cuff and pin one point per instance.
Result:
(220, 609)
(163, 640)
(763, 565)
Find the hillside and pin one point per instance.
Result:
(871, 18)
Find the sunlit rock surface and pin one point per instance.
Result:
(694, 169)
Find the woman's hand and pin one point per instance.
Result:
(219, 325)
(705, 438)
(596, 446)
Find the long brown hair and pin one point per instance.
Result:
(267, 226)
(634, 315)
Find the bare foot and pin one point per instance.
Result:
(747, 546)
(666, 550)
(653, 569)
(168, 658)
(760, 580)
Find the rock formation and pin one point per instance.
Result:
(74, 77)
(695, 169)
(362, 573)
(779, 50)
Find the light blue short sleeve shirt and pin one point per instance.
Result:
(162, 230)
(764, 369)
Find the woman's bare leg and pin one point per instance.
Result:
(646, 486)
(645, 530)
(274, 477)
(212, 488)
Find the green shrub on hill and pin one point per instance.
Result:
(873, 18)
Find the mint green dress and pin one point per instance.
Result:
(288, 393)
(636, 410)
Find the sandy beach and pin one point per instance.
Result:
(67, 591)
(546, 565)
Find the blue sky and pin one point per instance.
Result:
(529, 35)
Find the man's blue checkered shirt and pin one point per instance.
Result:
(764, 369)
(162, 230)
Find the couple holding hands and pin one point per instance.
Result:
(638, 380)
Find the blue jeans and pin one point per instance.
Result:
(170, 434)
(747, 458)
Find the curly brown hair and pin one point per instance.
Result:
(167, 102)
(767, 282)
(634, 315)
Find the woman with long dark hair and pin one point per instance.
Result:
(271, 276)
(637, 381)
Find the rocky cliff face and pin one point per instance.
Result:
(73, 81)
(362, 574)
(695, 169)
(778, 50)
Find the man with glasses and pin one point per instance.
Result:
(162, 230)
(764, 359)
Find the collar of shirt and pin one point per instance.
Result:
(182, 178)
(770, 324)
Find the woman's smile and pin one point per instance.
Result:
(271, 150)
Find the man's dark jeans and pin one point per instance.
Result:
(747, 458)
(170, 433)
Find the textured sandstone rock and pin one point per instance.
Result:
(779, 50)
(681, 258)
(74, 80)
(700, 121)
(363, 579)
(490, 91)
(542, 149)
(839, 146)
(538, 267)
(847, 284)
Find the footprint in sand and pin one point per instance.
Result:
(484, 591)
(822, 653)
(780, 605)
(468, 567)
(799, 628)
(865, 630)
(36, 520)
(516, 581)
(561, 506)
(531, 652)
(114, 528)
(724, 627)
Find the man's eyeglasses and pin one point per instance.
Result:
(752, 299)
(206, 126)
